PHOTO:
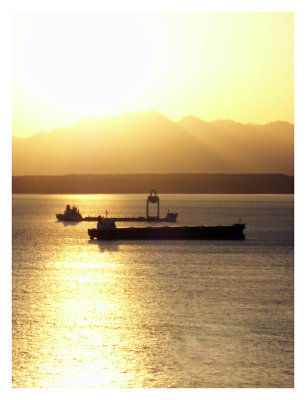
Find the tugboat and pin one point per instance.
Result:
(70, 214)
(107, 230)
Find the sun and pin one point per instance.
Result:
(88, 65)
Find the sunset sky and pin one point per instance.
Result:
(235, 66)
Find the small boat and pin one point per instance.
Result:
(107, 230)
(70, 214)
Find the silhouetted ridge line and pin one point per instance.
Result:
(163, 183)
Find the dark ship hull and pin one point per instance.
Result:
(232, 232)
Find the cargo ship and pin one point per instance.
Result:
(107, 230)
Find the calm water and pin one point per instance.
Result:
(153, 314)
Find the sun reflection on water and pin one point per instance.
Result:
(84, 309)
(95, 374)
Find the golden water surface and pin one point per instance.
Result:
(142, 314)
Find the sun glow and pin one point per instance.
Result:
(83, 68)
(235, 66)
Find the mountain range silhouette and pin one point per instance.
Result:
(149, 142)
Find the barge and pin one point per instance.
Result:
(107, 230)
(170, 217)
(73, 214)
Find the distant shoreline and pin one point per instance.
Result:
(163, 183)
